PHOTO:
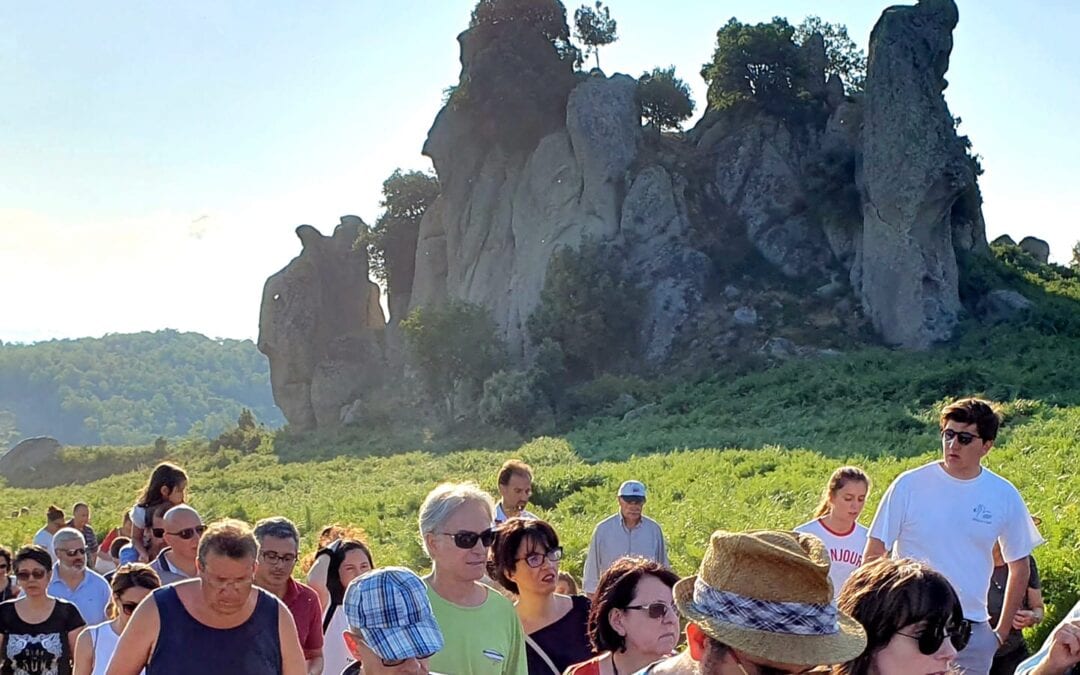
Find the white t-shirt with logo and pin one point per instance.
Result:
(951, 524)
(845, 550)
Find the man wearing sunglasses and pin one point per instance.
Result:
(73, 581)
(949, 513)
(628, 532)
(392, 628)
(181, 529)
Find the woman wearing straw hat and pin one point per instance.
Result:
(761, 604)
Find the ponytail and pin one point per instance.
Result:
(837, 481)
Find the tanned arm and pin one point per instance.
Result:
(292, 657)
(1015, 588)
(875, 548)
(138, 640)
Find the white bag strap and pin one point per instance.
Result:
(543, 655)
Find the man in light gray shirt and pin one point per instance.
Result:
(627, 532)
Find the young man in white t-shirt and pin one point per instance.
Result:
(949, 514)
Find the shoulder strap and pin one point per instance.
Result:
(329, 616)
(542, 654)
(94, 635)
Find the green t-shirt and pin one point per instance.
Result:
(479, 640)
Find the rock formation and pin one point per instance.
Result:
(915, 171)
(321, 326)
(19, 464)
(1036, 248)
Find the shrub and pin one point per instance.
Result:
(509, 401)
(589, 307)
(665, 99)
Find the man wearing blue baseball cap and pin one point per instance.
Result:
(627, 532)
(392, 628)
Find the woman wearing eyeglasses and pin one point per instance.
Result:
(96, 644)
(10, 589)
(482, 633)
(633, 621)
(525, 560)
(912, 616)
(37, 631)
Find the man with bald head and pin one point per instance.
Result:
(183, 528)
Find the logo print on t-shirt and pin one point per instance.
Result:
(35, 654)
(982, 515)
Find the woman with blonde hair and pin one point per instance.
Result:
(836, 523)
(96, 644)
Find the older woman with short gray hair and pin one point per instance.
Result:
(479, 624)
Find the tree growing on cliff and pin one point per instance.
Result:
(589, 307)
(665, 99)
(754, 63)
(1075, 262)
(546, 16)
(391, 241)
(594, 28)
(454, 348)
(843, 56)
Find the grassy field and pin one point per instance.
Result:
(724, 451)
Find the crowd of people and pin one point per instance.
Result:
(942, 581)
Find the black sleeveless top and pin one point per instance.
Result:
(185, 646)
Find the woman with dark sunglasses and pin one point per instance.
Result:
(525, 560)
(10, 589)
(633, 621)
(482, 633)
(96, 644)
(37, 628)
(912, 616)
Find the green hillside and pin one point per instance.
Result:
(123, 389)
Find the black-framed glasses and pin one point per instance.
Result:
(931, 637)
(27, 575)
(536, 559)
(633, 500)
(129, 607)
(467, 539)
(274, 557)
(962, 437)
(656, 610)
(72, 552)
(189, 532)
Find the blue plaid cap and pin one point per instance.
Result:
(390, 609)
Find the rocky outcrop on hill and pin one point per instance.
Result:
(20, 464)
(915, 176)
(321, 326)
(1036, 248)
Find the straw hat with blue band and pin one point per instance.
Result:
(768, 594)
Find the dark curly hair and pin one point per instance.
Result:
(616, 590)
(539, 535)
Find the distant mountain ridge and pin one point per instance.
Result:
(131, 388)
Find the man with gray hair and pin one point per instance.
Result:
(182, 528)
(72, 581)
(279, 544)
(218, 622)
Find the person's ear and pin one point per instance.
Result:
(617, 621)
(986, 447)
(350, 644)
(695, 638)
(431, 540)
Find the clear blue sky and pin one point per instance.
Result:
(156, 157)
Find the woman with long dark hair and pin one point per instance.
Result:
(168, 483)
(348, 559)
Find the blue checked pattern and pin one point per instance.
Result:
(792, 618)
(390, 609)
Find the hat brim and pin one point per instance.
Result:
(422, 638)
(805, 650)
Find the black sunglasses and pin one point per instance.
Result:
(656, 610)
(390, 663)
(633, 500)
(466, 539)
(72, 552)
(536, 559)
(930, 638)
(27, 575)
(962, 437)
(189, 532)
(157, 532)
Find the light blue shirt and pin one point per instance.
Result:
(1035, 661)
(91, 596)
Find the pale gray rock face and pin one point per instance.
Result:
(19, 463)
(914, 171)
(321, 327)
(1003, 305)
(1037, 248)
(758, 174)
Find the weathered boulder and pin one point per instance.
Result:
(1036, 248)
(20, 464)
(914, 172)
(1004, 240)
(321, 327)
(1003, 305)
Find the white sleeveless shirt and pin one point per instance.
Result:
(104, 640)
